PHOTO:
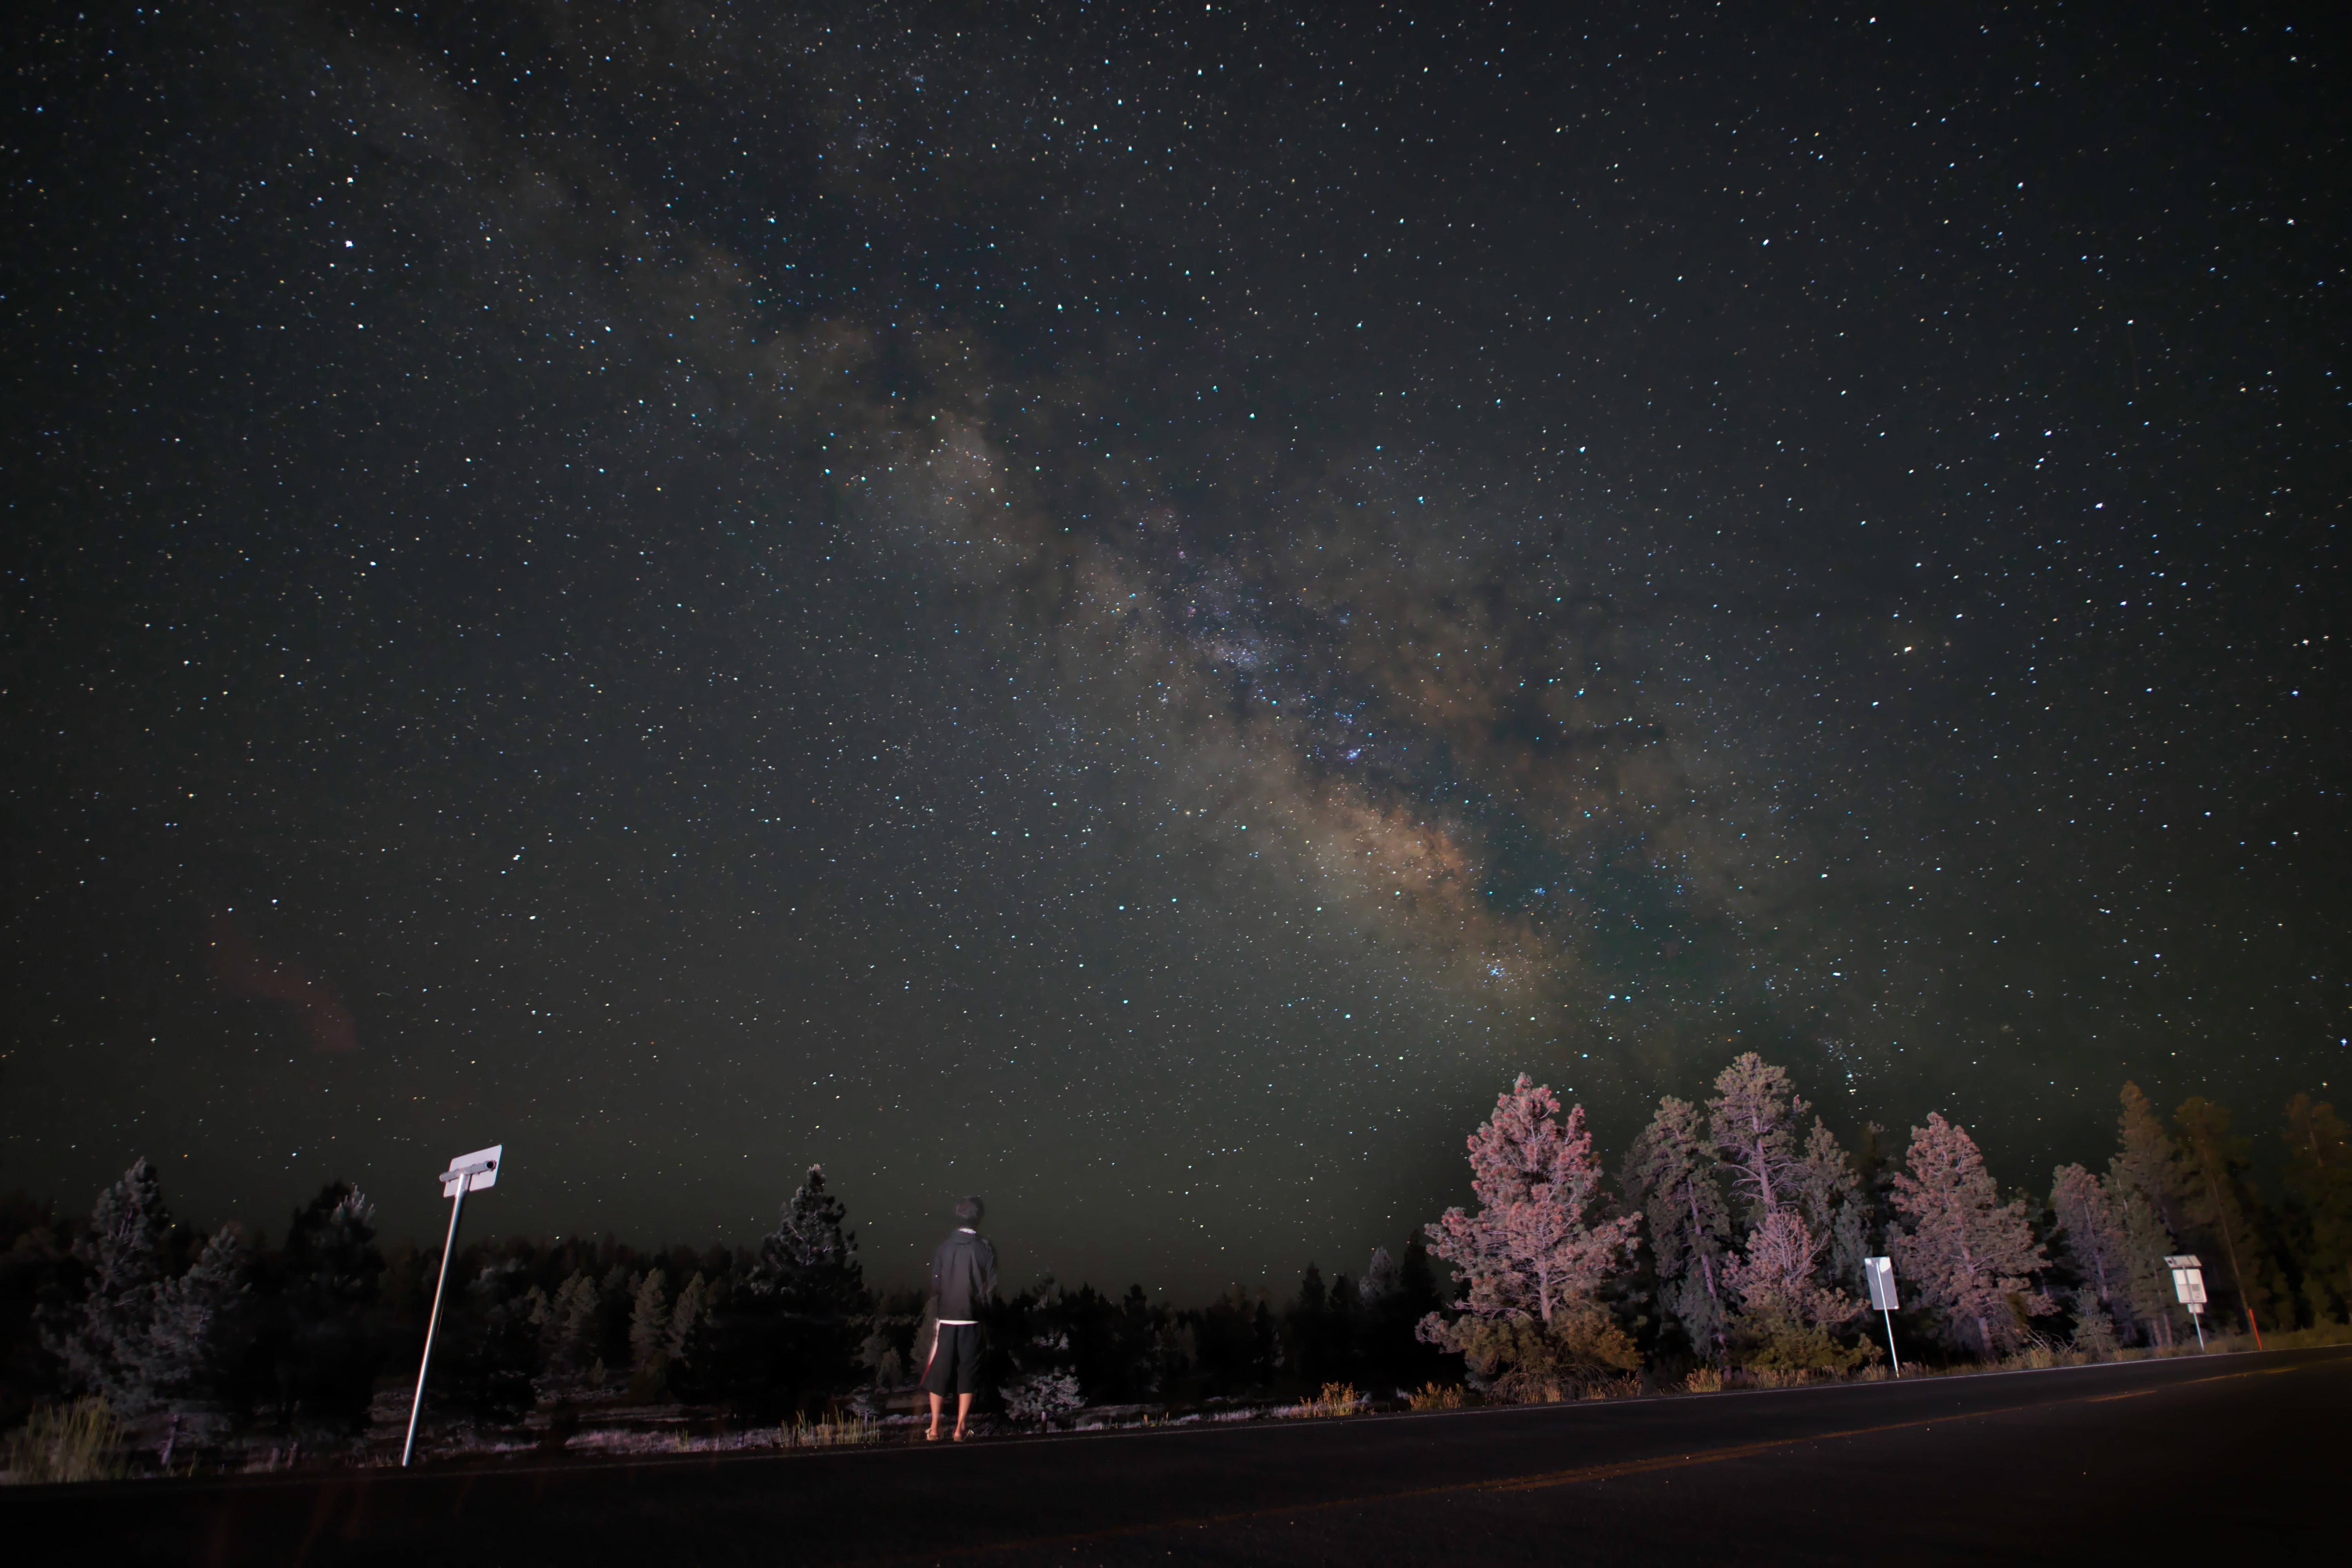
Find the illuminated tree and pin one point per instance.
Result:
(1534, 1253)
(1968, 1255)
(1753, 1120)
(2090, 1235)
(1786, 1319)
(1534, 1243)
(1836, 1207)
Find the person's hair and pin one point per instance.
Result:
(968, 1210)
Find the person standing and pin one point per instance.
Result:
(963, 1276)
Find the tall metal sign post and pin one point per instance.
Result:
(1880, 1272)
(467, 1173)
(2189, 1284)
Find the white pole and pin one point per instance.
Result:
(2198, 1318)
(1890, 1340)
(417, 1404)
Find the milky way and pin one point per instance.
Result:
(1133, 609)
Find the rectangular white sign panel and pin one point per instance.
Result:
(485, 1174)
(1880, 1273)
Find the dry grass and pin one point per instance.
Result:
(836, 1431)
(1436, 1396)
(82, 1442)
(1337, 1399)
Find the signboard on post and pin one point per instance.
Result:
(467, 1173)
(1880, 1274)
(2189, 1285)
(480, 1168)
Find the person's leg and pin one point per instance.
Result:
(963, 1409)
(938, 1403)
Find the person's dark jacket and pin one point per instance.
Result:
(963, 1276)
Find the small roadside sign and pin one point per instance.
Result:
(478, 1171)
(1880, 1274)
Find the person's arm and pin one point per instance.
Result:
(935, 1273)
(988, 1271)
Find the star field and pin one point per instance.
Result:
(1132, 607)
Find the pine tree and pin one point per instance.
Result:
(333, 1265)
(1671, 1176)
(689, 1320)
(809, 1262)
(101, 1341)
(1753, 1120)
(2213, 1165)
(2090, 1235)
(2319, 1177)
(2149, 1160)
(649, 1320)
(1535, 1242)
(198, 1321)
(575, 1329)
(2147, 1284)
(1379, 1284)
(1787, 1320)
(1836, 1207)
(1968, 1255)
(325, 1350)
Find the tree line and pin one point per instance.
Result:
(1737, 1238)
(1731, 1242)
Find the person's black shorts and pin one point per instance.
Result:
(954, 1366)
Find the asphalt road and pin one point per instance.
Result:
(2242, 1454)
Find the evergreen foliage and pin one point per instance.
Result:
(2212, 1165)
(2147, 1162)
(2319, 1181)
(1753, 1120)
(101, 1341)
(809, 1262)
(649, 1320)
(1786, 1320)
(202, 1322)
(324, 1345)
(1671, 1175)
(1837, 1208)
(1536, 1241)
(2091, 1240)
(1535, 1253)
(1968, 1256)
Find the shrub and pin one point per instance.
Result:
(1531, 1363)
(1436, 1396)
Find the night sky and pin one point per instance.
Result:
(1131, 608)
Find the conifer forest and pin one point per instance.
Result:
(1723, 1248)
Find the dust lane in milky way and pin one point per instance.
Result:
(1133, 610)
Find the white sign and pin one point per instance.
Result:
(2188, 1280)
(477, 1170)
(1880, 1272)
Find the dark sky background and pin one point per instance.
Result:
(1131, 608)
